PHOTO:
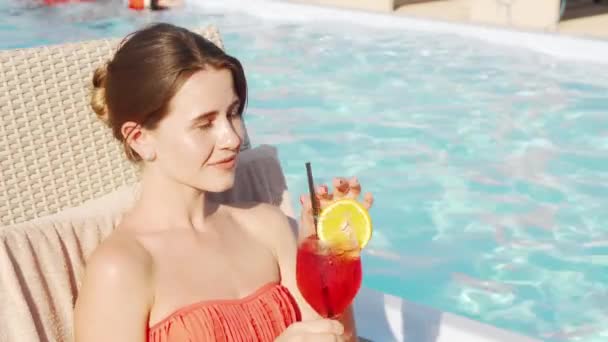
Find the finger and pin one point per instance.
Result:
(368, 200)
(316, 337)
(321, 326)
(306, 204)
(340, 188)
(324, 196)
(306, 213)
(323, 337)
(320, 193)
(307, 224)
(323, 192)
(354, 188)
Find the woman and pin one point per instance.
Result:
(154, 4)
(180, 267)
(133, 4)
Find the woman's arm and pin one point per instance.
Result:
(116, 294)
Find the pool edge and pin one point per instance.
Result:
(583, 49)
(383, 317)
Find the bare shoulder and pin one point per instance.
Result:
(120, 256)
(265, 221)
(257, 213)
(117, 290)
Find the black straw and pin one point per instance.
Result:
(313, 197)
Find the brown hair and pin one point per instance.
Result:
(148, 69)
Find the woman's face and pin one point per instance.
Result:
(197, 143)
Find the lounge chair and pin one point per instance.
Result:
(65, 183)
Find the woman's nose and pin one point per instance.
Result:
(228, 137)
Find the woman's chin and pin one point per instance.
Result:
(221, 184)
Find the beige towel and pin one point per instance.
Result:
(41, 260)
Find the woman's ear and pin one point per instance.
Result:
(139, 140)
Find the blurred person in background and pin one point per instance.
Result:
(133, 4)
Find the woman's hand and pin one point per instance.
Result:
(343, 188)
(318, 330)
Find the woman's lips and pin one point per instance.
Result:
(227, 163)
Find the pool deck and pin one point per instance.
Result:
(381, 317)
(582, 18)
(555, 44)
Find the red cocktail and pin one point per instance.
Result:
(328, 277)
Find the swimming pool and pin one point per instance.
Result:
(488, 163)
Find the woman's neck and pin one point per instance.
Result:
(166, 203)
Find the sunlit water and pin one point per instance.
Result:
(489, 165)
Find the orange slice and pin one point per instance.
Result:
(343, 222)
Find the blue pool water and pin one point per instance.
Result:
(489, 164)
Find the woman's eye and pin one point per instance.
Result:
(205, 126)
(235, 113)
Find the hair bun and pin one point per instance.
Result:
(98, 94)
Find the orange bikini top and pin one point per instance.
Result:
(261, 316)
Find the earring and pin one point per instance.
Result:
(149, 156)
